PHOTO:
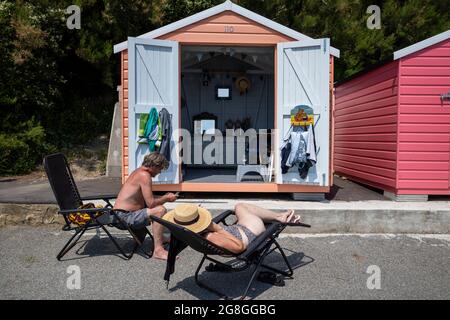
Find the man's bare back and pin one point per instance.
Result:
(136, 194)
(130, 197)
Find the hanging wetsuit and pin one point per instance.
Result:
(166, 132)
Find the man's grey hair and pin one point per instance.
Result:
(155, 159)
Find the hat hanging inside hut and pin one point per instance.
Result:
(243, 84)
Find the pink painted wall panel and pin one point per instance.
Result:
(366, 127)
(392, 130)
(424, 122)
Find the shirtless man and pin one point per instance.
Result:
(136, 197)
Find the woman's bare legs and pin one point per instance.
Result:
(264, 214)
(253, 217)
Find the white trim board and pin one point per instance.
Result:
(227, 5)
(421, 45)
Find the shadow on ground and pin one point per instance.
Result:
(103, 246)
(233, 284)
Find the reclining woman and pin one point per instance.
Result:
(234, 238)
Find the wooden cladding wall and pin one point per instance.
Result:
(424, 122)
(365, 127)
(227, 28)
(124, 105)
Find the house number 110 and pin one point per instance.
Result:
(229, 29)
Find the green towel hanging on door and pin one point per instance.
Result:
(151, 131)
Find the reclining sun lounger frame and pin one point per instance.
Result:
(66, 193)
(255, 253)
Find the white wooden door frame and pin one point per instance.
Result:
(134, 109)
(318, 96)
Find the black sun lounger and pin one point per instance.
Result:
(256, 252)
(69, 201)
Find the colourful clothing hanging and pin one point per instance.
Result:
(152, 129)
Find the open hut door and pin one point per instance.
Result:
(153, 82)
(303, 74)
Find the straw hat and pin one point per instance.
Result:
(189, 216)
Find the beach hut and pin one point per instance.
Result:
(228, 68)
(392, 123)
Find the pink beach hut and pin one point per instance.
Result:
(392, 123)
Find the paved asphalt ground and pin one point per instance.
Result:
(327, 267)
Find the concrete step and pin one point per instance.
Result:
(325, 217)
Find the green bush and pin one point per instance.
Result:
(23, 150)
(15, 156)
